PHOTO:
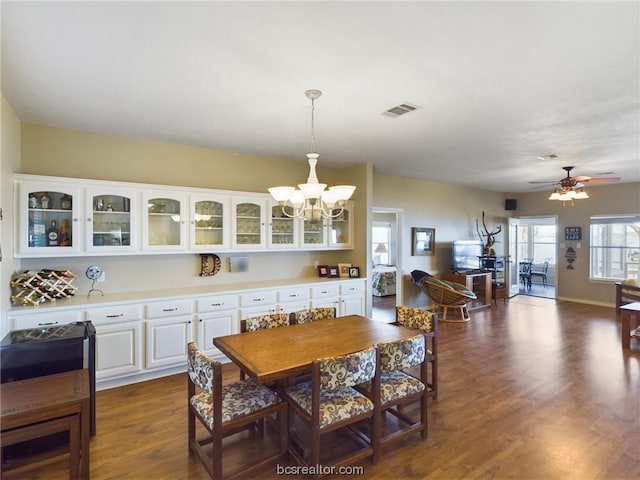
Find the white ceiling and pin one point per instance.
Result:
(498, 83)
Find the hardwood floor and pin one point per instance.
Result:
(534, 389)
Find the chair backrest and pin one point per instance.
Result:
(525, 267)
(545, 267)
(313, 314)
(200, 368)
(264, 322)
(413, 317)
(346, 370)
(401, 354)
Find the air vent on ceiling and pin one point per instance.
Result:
(398, 110)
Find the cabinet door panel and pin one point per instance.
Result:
(167, 341)
(209, 222)
(112, 220)
(164, 227)
(215, 325)
(118, 349)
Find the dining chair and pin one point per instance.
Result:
(263, 322)
(399, 389)
(427, 323)
(329, 402)
(540, 271)
(228, 409)
(525, 273)
(312, 315)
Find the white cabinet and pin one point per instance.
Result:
(164, 226)
(209, 223)
(292, 299)
(326, 295)
(249, 222)
(50, 318)
(111, 220)
(118, 340)
(215, 316)
(283, 231)
(335, 232)
(254, 304)
(352, 295)
(168, 329)
(49, 219)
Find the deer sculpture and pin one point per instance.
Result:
(489, 238)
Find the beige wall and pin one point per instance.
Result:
(605, 199)
(450, 209)
(9, 163)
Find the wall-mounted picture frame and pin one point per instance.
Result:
(323, 270)
(423, 241)
(573, 233)
(344, 269)
(333, 271)
(354, 272)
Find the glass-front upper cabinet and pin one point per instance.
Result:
(340, 227)
(283, 229)
(111, 220)
(209, 224)
(249, 223)
(49, 219)
(164, 225)
(314, 232)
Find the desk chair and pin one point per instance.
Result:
(227, 410)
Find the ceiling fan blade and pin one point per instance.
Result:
(545, 182)
(545, 185)
(582, 179)
(600, 180)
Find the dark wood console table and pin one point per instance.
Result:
(478, 283)
(45, 405)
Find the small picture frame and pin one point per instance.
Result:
(333, 271)
(423, 241)
(323, 270)
(354, 272)
(573, 233)
(344, 269)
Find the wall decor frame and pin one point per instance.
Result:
(573, 233)
(344, 269)
(423, 241)
(333, 271)
(354, 272)
(323, 270)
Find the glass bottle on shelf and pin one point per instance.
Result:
(65, 239)
(52, 235)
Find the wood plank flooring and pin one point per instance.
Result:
(531, 389)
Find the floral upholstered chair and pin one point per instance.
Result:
(398, 388)
(329, 402)
(313, 314)
(426, 322)
(227, 410)
(264, 322)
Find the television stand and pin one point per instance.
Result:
(478, 283)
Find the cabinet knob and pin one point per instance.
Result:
(170, 309)
(217, 304)
(47, 323)
(116, 315)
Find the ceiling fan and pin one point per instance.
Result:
(570, 182)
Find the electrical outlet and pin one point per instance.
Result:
(103, 277)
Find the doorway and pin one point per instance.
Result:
(533, 251)
(386, 260)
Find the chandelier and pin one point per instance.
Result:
(568, 194)
(310, 200)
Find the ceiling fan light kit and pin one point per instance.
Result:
(570, 188)
(311, 200)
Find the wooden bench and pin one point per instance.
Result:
(42, 406)
(626, 294)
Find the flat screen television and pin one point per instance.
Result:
(465, 255)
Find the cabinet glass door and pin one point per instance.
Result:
(209, 223)
(283, 228)
(341, 227)
(164, 222)
(314, 233)
(51, 220)
(112, 218)
(249, 225)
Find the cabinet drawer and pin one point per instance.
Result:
(219, 302)
(294, 294)
(169, 309)
(352, 288)
(49, 319)
(115, 314)
(322, 291)
(257, 298)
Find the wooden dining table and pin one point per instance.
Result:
(280, 353)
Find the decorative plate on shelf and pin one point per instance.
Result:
(94, 272)
(210, 264)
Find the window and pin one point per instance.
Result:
(614, 247)
(381, 237)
